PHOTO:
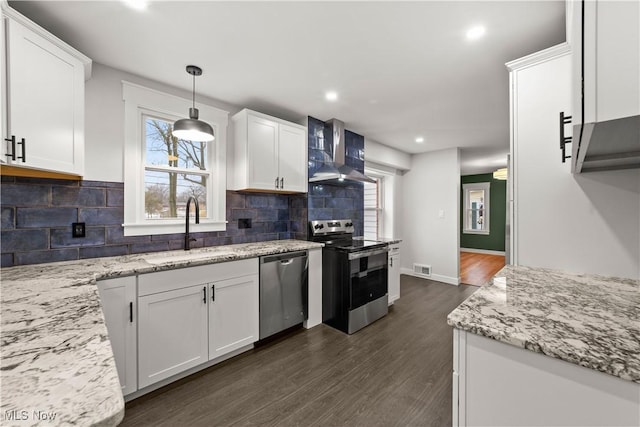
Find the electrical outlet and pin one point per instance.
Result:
(78, 229)
(244, 223)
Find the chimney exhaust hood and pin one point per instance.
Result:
(336, 172)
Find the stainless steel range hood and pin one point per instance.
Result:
(336, 172)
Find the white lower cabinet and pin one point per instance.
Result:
(173, 333)
(118, 299)
(394, 272)
(497, 384)
(233, 315)
(189, 316)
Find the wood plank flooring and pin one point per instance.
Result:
(396, 371)
(476, 269)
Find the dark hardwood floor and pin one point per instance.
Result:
(476, 269)
(396, 371)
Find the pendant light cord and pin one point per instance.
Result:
(193, 92)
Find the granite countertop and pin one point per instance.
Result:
(56, 358)
(592, 321)
(388, 240)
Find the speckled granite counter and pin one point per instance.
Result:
(388, 240)
(592, 321)
(56, 359)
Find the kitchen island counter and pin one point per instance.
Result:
(56, 357)
(589, 320)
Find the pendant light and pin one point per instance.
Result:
(192, 129)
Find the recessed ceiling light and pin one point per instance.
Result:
(136, 4)
(331, 96)
(419, 140)
(476, 32)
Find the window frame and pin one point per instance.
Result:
(141, 102)
(466, 189)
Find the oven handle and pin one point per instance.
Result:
(362, 254)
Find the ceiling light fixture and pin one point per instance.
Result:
(500, 174)
(331, 96)
(419, 140)
(192, 129)
(136, 4)
(476, 32)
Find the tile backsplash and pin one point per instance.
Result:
(37, 215)
(328, 201)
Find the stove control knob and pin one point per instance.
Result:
(349, 224)
(318, 226)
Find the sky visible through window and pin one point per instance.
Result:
(166, 191)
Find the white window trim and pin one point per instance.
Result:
(486, 186)
(139, 101)
(385, 210)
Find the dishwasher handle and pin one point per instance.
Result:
(286, 258)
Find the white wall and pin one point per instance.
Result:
(385, 155)
(104, 119)
(431, 187)
(585, 223)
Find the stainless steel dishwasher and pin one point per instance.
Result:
(283, 291)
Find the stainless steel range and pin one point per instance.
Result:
(354, 276)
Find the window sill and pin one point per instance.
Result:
(171, 227)
(485, 232)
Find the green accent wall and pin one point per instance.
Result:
(493, 241)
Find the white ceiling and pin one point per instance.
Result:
(401, 69)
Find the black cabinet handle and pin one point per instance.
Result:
(12, 140)
(277, 182)
(213, 292)
(204, 292)
(130, 312)
(24, 150)
(282, 183)
(564, 140)
(13, 148)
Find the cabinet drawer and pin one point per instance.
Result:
(163, 281)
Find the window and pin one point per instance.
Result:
(476, 208)
(373, 209)
(162, 172)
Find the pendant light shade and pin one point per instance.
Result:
(192, 129)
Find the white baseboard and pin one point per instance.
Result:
(482, 251)
(437, 277)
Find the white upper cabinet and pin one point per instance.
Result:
(606, 87)
(42, 98)
(611, 56)
(268, 154)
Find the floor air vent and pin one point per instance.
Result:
(422, 270)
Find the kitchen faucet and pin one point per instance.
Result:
(187, 240)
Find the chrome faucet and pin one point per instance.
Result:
(187, 240)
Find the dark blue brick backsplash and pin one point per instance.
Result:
(37, 215)
(327, 201)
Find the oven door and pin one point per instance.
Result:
(368, 276)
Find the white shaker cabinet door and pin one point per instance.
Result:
(118, 299)
(262, 149)
(293, 158)
(172, 333)
(394, 274)
(45, 87)
(233, 314)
